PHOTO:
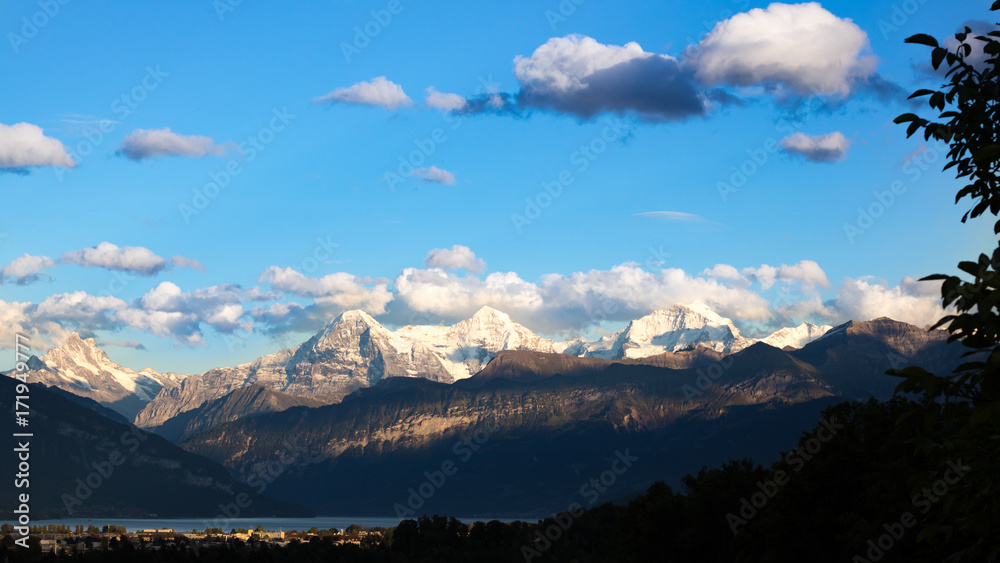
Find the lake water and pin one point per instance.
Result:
(270, 524)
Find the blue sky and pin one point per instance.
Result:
(315, 222)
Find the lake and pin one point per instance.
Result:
(227, 524)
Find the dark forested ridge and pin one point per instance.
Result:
(85, 464)
(841, 492)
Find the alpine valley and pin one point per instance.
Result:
(483, 417)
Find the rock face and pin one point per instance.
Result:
(244, 402)
(80, 367)
(671, 330)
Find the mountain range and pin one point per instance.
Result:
(380, 409)
(530, 429)
(355, 351)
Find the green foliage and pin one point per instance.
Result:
(969, 518)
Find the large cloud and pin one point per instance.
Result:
(831, 147)
(379, 92)
(801, 47)
(24, 145)
(147, 143)
(577, 75)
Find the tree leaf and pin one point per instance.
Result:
(924, 39)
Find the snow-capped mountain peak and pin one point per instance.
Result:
(80, 366)
(796, 336)
(669, 330)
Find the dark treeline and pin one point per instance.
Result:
(845, 492)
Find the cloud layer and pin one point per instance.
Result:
(454, 284)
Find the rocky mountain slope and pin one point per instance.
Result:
(244, 402)
(547, 422)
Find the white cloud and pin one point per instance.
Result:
(147, 143)
(340, 289)
(723, 272)
(136, 259)
(78, 307)
(831, 147)
(454, 258)
(435, 175)
(867, 298)
(173, 324)
(26, 269)
(379, 92)
(449, 296)
(184, 262)
(577, 75)
(806, 272)
(444, 102)
(801, 47)
(24, 145)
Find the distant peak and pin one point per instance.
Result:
(75, 341)
(488, 312)
(355, 315)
